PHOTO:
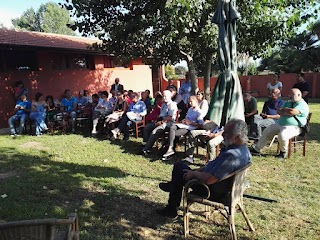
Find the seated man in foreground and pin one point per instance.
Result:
(287, 126)
(234, 157)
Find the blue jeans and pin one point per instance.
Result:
(14, 118)
(39, 120)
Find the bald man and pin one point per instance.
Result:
(269, 114)
(287, 125)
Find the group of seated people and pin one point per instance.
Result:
(278, 117)
(42, 111)
(192, 124)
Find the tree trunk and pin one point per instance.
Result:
(193, 77)
(192, 72)
(207, 75)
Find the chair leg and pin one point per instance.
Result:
(251, 228)
(304, 146)
(289, 148)
(186, 220)
(232, 226)
(137, 130)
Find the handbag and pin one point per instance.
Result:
(304, 129)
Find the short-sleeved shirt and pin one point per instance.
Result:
(169, 109)
(271, 106)
(251, 105)
(195, 115)
(83, 101)
(138, 108)
(303, 87)
(228, 161)
(302, 107)
(104, 103)
(68, 104)
(277, 85)
(25, 105)
(185, 91)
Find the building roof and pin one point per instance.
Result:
(45, 40)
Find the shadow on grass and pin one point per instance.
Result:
(40, 187)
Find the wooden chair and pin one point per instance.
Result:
(28, 123)
(138, 125)
(41, 229)
(297, 142)
(226, 209)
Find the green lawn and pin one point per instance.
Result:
(115, 190)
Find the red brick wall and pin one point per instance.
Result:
(53, 82)
(257, 84)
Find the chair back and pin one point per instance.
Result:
(42, 229)
(238, 185)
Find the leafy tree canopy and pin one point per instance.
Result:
(299, 53)
(49, 18)
(167, 31)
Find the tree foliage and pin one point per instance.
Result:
(301, 52)
(174, 30)
(49, 18)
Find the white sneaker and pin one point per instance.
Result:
(168, 153)
(189, 159)
(115, 132)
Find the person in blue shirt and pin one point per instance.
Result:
(69, 106)
(185, 89)
(269, 113)
(235, 156)
(82, 100)
(38, 113)
(21, 113)
(137, 109)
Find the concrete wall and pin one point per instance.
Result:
(137, 77)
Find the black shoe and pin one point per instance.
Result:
(254, 152)
(166, 187)
(145, 152)
(168, 212)
(125, 138)
(281, 155)
(253, 136)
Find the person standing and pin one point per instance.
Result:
(117, 86)
(303, 86)
(275, 83)
(250, 109)
(185, 89)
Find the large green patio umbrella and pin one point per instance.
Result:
(226, 101)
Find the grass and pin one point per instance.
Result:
(115, 190)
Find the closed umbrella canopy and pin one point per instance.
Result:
(226, 101)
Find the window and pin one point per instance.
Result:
(72, 61)
(21, 60)
(81, 62)
(112, 62)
